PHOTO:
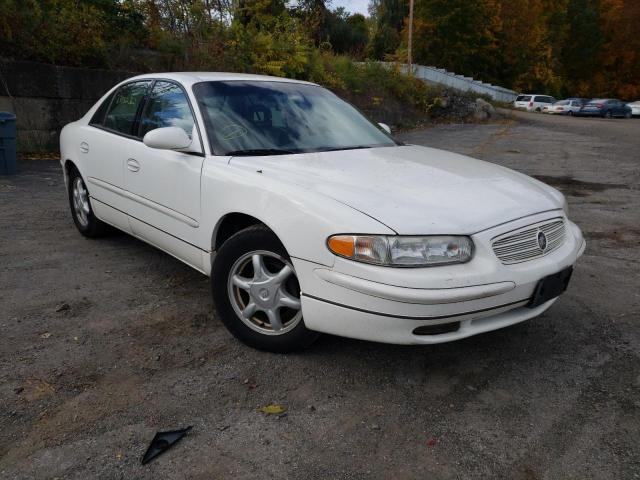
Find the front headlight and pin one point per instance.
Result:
(400, 251)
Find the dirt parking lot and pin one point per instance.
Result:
(105, 342)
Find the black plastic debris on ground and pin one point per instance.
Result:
(162, 442)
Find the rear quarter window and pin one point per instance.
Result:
(98, 116)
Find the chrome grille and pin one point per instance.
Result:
(522, 244)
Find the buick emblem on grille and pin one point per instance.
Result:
(542, 241)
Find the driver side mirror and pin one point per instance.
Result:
(167, 138)
(385, 127)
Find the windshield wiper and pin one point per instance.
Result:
(259, 151)
(335, 149)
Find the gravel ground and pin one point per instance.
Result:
(105, 342)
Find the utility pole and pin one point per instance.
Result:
(410, 37)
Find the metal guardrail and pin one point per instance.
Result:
(441, 76)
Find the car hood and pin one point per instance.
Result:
(414, 190)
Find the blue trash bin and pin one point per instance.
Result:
(8, 161)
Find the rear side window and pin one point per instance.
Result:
(124, 107)
(167, 106)
(523, 98)
(98, 117)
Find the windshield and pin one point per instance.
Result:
(267, 118)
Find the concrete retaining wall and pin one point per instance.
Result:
(46, 97)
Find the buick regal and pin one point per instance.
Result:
(309, 218)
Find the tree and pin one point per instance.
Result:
(388, 21)
(459, 35)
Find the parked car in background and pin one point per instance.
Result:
(532, 102)
(635, 108)
(606, 108)
(564, 107)
(309, 218)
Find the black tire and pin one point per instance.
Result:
(627, 115)
(90, 227)
(570, 113)
(253, 239)
(608, 114)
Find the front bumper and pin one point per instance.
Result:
(404, 306)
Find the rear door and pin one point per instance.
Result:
(105, 142)
(164, 185)
(618, 107)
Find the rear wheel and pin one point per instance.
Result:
(257, 294)
(86, 222)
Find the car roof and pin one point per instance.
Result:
(189, 78)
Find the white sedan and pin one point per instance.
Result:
(309, 218)
(635, 108)
(564, 107)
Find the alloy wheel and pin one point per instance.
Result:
(80, 198)
(264, 292)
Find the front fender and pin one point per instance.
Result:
(301, 219)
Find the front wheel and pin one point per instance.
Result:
(570, 113)
(83, 217)
(256, 292)
(627, 115)
(608, 114)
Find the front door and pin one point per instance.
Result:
(164, 185)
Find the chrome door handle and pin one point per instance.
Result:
(133, 165)
(84, 147)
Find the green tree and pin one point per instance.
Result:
(459, 35)
(388, 18)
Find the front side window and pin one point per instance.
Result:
(261, 118)
(123, 109)
(167, 106)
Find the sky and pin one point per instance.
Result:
(353, 6)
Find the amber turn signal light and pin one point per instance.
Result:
(343, 245)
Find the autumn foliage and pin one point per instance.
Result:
(585, 48)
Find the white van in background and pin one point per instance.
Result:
(533, 102)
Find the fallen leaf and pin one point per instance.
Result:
(273, 409)
(45, 335)
(432, 442)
